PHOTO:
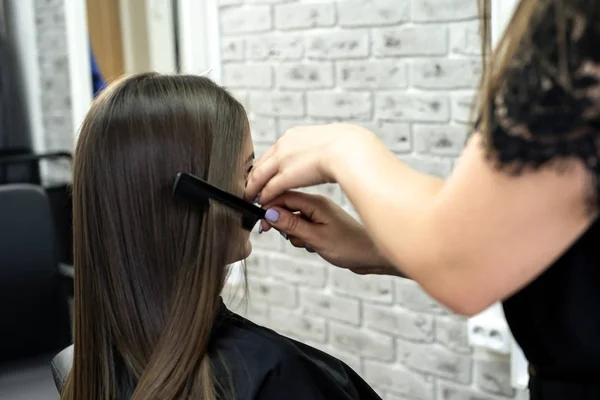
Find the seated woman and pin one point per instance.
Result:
(149, 267)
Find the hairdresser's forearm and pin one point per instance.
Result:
(393, 201)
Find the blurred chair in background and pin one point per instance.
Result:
(34, 314)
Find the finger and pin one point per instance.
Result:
(299, 243)
(265, 226)
(310, 206)
(259, 177)
(296, 242)
(292, 224)
(264, 157)
(284, 180)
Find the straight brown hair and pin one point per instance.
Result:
(496, 62)
(149, 268)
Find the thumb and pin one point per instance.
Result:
(289, 223)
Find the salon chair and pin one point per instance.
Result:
(34, 312)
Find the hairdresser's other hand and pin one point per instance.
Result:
(320, 226)
(304, 156)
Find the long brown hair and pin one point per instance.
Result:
(495, 64)
(149, 268)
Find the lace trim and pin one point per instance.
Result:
(547, 107)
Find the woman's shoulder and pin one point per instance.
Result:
(262, 364)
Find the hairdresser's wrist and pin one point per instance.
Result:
(372, 262)
(340, 155)
(384, 267)
(379, 266)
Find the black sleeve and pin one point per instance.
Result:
(546, 106)
(297, 378)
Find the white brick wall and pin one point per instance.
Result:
(406, 70)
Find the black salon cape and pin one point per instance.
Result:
(254, 362)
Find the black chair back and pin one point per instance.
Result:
(22, 166)
(34, 315)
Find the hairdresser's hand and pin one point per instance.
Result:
(304, 156)
(320, 226)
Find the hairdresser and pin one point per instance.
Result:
(516, 220)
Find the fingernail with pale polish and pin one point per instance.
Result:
(272, 215)
(307, 246)
(260, 230)
(285, 236)
(256, 199)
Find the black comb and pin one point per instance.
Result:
(195, 189)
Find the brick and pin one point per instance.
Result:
(412, 107)
(462, 104)
(333, 191)
(263, 129)
(452, 332)
(268, 291)
(302, 326)
(410, 295)
(445, 73)
(338, 45)
(232, 49)
(373, 288)
(304, 15)
(268, 1)
(373, 12)
(465, 38)
(337, 104)
(396, 135)
(449, 391)
(275, 47)
(522, 394)
(310, 75)
(414, 40)
(255, 76)
(436, 166)
(239, 94)
(287, 123)
(255, 311)
(371, 74)
(328, 306)
(298, 271)
(408, 325)
(367, 344)
(399, 380)
(301, 255)
(48, 5)
(435, 360)
(258, 263)
(447, 10)
(245, 19)
(277, 104)
(394, 396)
(438, 139)
(493, 376)
(50, 19)
(264, 241)
(224, 3)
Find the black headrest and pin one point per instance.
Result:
(61, 365)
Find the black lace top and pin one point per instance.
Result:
(547, 109)
(547, 106)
